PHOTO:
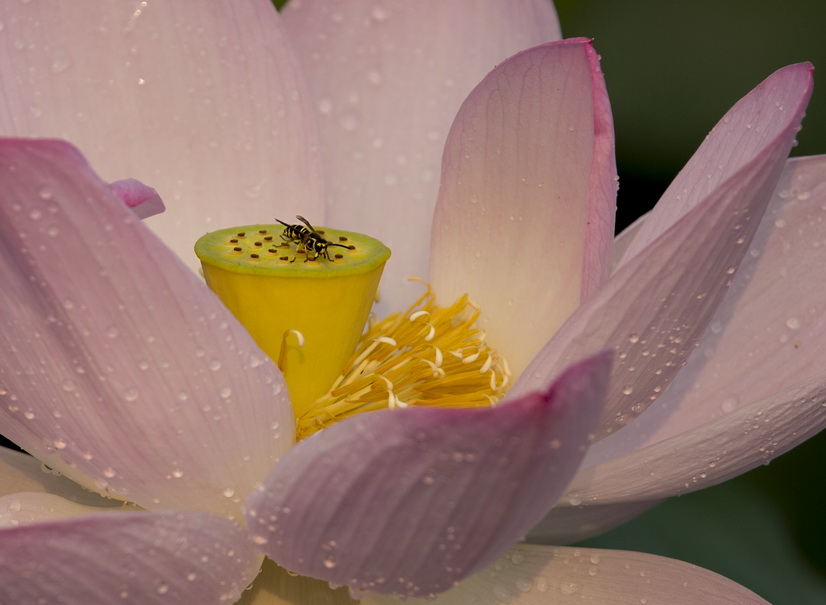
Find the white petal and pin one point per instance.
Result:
(206, 106)
(543, 575)
(387, 80)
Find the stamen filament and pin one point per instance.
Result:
(386, 370)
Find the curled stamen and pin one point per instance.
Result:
(437, 371)
(372, 347)
(486, 366)
(282, 353)
(439, 357)
(418, 314)
(471, 358)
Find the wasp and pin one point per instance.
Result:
(308, 239)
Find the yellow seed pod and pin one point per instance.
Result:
(305, 303)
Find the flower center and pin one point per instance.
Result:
(428, 356)
(305, 294)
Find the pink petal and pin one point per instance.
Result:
(657, 304)
(752, 125)
(704, 456)
(207, 106)
(525, 215)
(26, 508)
(141, 558)
(540, 575)
(143, 200)
(567, 523)
(387, 81)
(120, 368)
(23, 473)
(409, 501)
(756, 387)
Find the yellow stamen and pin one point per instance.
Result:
(400, 362)
(276, 287)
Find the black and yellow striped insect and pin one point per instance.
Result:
(309, 240)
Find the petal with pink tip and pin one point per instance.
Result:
(524, 221)
(744, 133)
(410, 501)
(656, 306)
(143, 200)
(140, 558)
(770, 330)
(387, 80)
(539, 575)
(207, 106)
(762, 355)
(120, 369)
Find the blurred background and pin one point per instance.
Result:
(672, 71)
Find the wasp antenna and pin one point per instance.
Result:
(282, 222)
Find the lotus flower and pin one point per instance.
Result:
(123, 372)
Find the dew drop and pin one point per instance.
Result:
(325, 106)
(349, 122)
(374, 77)
(568, 588)
(729, 404)
(131, 394)
(60, 62)
(329, 562)
(228, 492)
(793, 323)
(60, 444)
